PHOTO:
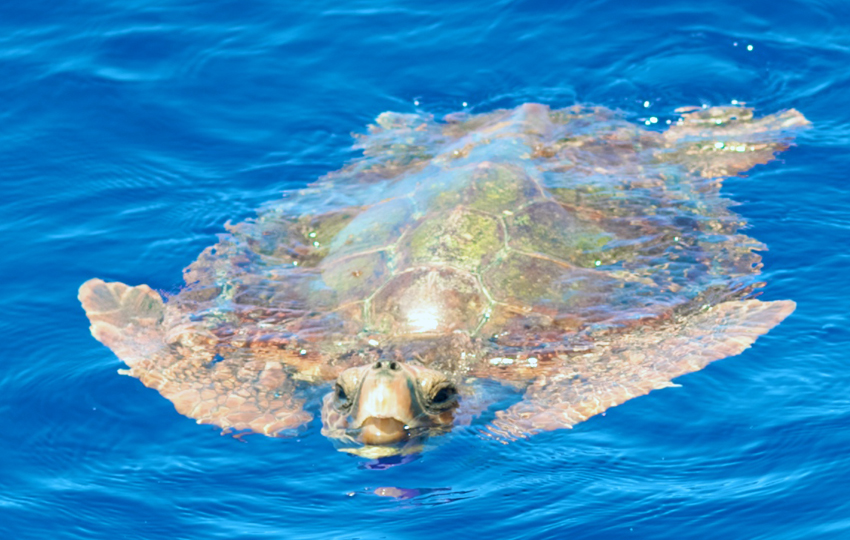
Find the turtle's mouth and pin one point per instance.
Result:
(376, 430)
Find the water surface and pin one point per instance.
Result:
(132, 131)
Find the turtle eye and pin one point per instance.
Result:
(444, 395)
(340, 396)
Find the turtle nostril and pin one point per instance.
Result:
(377, 365)
(393, 366)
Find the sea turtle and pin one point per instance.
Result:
(570, 255)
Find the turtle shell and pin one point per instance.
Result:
(521, 229)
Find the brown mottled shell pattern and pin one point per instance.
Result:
(570, 252)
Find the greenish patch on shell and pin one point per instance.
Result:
(497, 187)
(522, 280)
(531, 282)
(549, 229)
(461, 238)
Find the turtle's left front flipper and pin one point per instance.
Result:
(237, 392)
(635, 364)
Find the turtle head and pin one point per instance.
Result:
(388, 405)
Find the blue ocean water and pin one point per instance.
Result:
(132, 131)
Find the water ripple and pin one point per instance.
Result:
(133, 131)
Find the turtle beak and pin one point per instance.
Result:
(387, 405)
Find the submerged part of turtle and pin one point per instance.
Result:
(568, 254)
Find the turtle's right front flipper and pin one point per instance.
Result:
(234, 393)
(635, 364)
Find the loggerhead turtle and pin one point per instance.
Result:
(568, 254)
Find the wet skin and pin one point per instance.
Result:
(389, 403)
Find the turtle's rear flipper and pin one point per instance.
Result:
(725, 141)
(635, 364)
(125, 319)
